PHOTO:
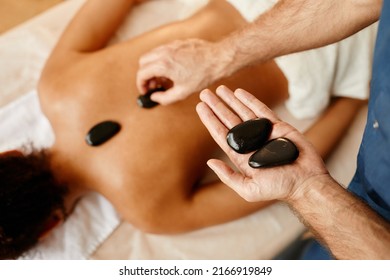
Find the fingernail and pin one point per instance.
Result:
(210, 164)
(203, 94)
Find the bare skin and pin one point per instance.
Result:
(349, 227)
(151, 169)
(289, 26)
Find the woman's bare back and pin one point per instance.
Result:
(160, 154)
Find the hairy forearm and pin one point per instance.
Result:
(296, 25)
(345, 224)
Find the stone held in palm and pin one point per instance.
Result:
(276, 152)
(249, 135)
(102, 132)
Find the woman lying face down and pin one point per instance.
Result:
(150, 171)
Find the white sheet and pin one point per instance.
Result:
(95, 230)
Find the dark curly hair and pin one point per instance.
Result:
(29, 195)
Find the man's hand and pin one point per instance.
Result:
(189, 66)
(282, 182)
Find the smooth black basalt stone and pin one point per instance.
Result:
(249, 136)
(276, 152)
(102, 132)
(144, 101)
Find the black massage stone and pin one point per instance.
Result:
(102, 132)
(250, 135)
(276, 152)
(144, 101)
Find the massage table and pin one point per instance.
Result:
(95, 230)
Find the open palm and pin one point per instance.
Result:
(280, 182)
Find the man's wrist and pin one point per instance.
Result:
(226, 63)
(312, 188)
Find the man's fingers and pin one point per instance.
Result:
(218, 130)
(168, 96)
(227, 117)
(230, 177)
(238, 107)
(149, 72)
(233, 179)
(258, 107)
(152, 56)
(161, 83)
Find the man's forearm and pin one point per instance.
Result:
(345, 224)
(296, 25)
